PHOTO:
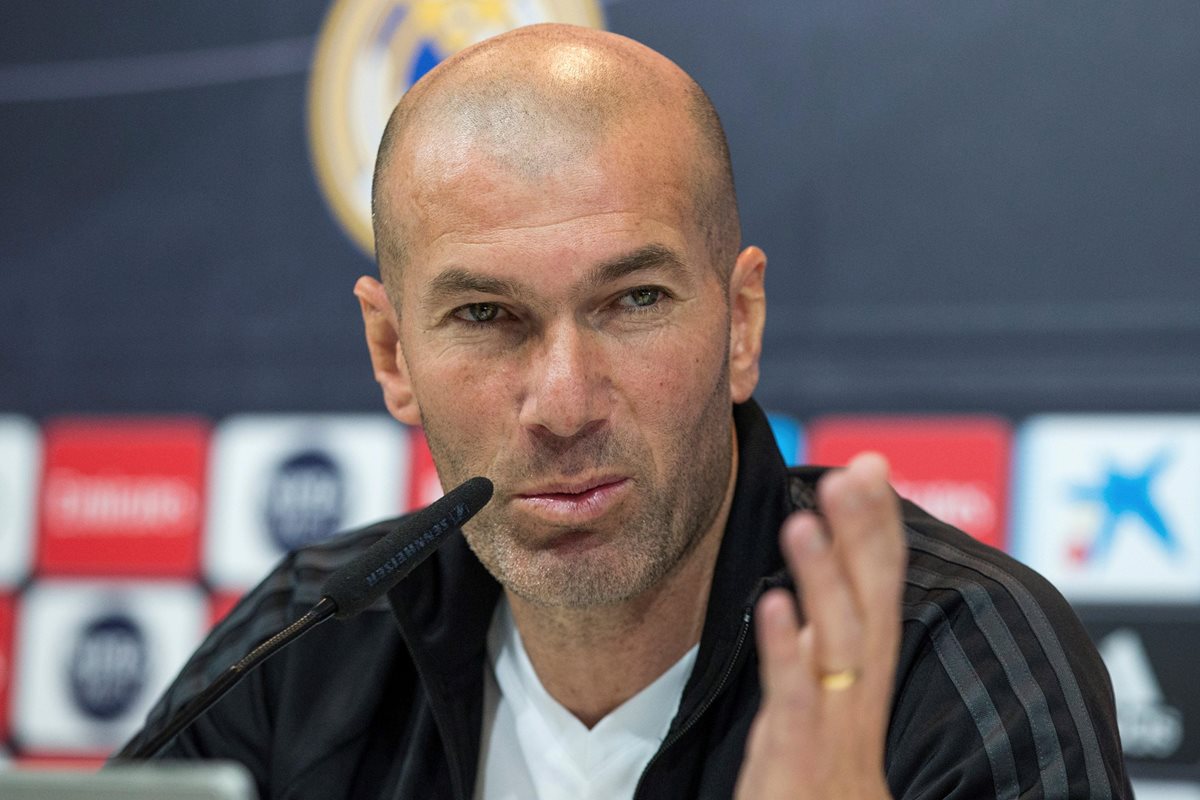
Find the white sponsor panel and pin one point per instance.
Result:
(93, 656)
(279, 482)
(20, 466)
(1165, 790)
(1108, 507)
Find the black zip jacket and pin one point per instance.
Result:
(999, 692)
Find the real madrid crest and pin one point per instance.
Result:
(368, 53)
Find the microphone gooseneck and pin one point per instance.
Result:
(345, 593)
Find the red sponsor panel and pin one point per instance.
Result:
(122, 497)
(6, 660)
(956, 468)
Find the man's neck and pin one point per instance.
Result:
(593, 660)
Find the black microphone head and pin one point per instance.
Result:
(474, 492)
(358, 584)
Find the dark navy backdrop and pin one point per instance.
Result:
(966, 206)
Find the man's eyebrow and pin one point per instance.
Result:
(651, 256)
(457, 281)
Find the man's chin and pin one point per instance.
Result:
(574, 543)
(576, 573)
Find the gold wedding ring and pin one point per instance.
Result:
(838, 680)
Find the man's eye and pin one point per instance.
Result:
(478, 312)
(643, 297)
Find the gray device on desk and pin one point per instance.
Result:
(158, 781)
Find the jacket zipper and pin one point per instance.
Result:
(747, 616)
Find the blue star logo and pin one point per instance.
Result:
(1127, 495)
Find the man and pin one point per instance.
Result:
(565, 309)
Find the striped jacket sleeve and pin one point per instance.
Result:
(1000, 693)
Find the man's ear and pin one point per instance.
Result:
(748, 313)
(382, 328)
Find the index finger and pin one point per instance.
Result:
(863, 517)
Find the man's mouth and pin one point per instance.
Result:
(573, 501)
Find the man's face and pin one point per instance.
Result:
(567, 337)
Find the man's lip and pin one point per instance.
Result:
(591, 500)
(570, 487)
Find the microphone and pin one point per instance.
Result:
(345, 593)
(356, 585)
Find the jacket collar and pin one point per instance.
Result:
(749, 555)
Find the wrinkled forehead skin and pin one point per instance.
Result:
(539, 106)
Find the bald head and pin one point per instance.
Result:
(537, 98)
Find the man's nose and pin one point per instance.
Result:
(569, 388)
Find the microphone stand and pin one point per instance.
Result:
(193, 708)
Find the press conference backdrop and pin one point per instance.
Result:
(987, 213)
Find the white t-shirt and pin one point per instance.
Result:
(533, 747)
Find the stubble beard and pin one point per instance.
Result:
(665, 520)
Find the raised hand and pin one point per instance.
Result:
(827, 679)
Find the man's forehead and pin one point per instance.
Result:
(568, 248)
(469, 193)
